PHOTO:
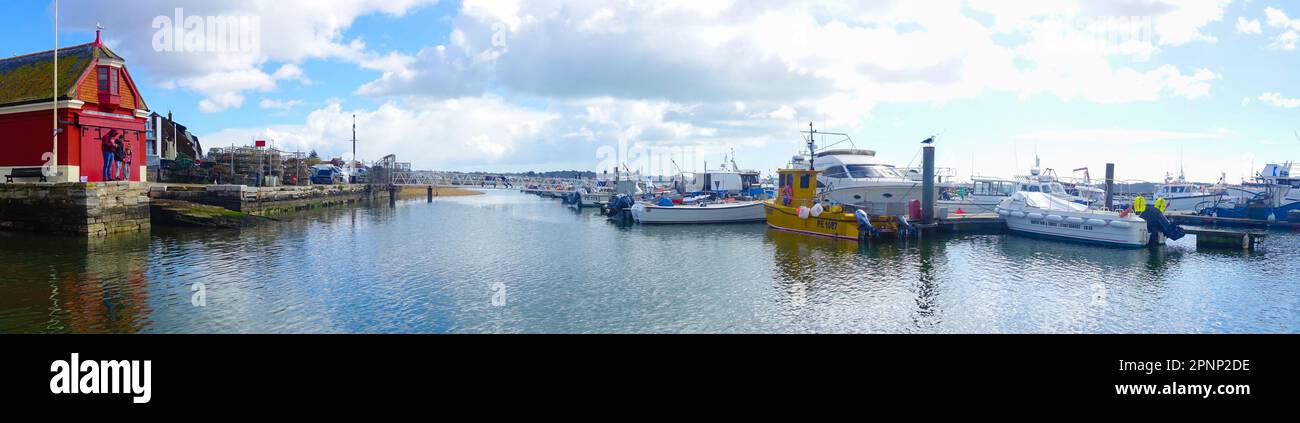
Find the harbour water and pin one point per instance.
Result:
(510, 262)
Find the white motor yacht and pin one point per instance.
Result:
(855, 176)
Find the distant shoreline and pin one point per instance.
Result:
(423, 191)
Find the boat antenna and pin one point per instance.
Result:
(812, 146)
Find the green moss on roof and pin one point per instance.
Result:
(27, 79)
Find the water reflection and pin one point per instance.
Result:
(427, 267)
(66, 284)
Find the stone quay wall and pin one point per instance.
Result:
(264, 201)
(77, 208)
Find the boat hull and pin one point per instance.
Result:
(1192, 202)
(712, 213)
(968, 206)
(839, 225)
(901, 192)
(1130, 232)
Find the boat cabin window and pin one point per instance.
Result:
(836, 172)
(872, 171)
(994, 188)
(1031, 188)
(803, 181)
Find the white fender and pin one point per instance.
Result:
(1054, 218)
(816, 210)
(1074, 220)
(1003, 213)
(1017, 213)
(803, 212)
(1096, 222)
(1034, 216)
(1121, 224)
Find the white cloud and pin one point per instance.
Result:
(447, 133)
(783, 113)
(1119, 136)
(806, 52)
(289, 31)
(708, 74)
(223, 90)
(291, 72)
(267, 103)
(1276, 18)
(1248, 26)
(1287, 38)
(1285, 41)
(1276, 99)
(1186, 19)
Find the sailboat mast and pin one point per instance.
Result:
(354, 140)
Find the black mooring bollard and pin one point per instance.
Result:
(392, 196)
(430, 193)
(927, 185)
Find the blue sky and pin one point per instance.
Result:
(506, 85)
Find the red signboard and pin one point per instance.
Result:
(260, 143)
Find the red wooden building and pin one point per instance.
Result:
(96, 94)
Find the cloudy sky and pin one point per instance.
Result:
(544, 85)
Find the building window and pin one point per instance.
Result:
(103, 79)
(108, 85)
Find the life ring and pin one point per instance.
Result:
(1139, 204)
(1160, 204)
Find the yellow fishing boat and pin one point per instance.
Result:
(797, 208)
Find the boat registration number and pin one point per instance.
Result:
(1063, 225)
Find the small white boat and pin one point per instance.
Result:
(748, 211)
(1043, 214)
(982, 196)
(1181, 195)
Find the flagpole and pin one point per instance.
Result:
(55, 108)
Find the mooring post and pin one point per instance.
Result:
(927, 185)
(1110, 186)
(430, 193)
(392, 195)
